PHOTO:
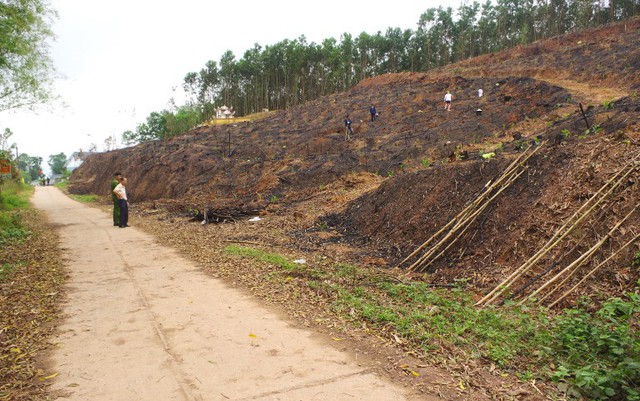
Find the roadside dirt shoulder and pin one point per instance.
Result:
(143, 323)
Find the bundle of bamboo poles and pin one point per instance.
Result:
(448, 235)
(573, 222)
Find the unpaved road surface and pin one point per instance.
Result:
(142, 323)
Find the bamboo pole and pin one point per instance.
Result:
(463, 225)
(578, 262)
(562, 232)
(592, 272)
(487, 190)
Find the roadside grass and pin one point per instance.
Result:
(85, 198)
(14, 197)
(589, 351)
(64, 187)
(31, 278)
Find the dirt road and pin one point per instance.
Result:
(142, 323)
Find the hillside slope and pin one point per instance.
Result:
(429, 161)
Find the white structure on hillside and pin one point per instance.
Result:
(225, 112)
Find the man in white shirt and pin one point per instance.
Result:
(120, 192)
(447, 101)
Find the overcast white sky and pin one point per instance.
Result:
(121, 59)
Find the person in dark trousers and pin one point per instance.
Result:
(116, 208)
(121, 193)
(373, 112)
(347, 128)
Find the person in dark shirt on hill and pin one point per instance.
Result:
(347, 128)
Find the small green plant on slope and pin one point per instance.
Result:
(608, 105)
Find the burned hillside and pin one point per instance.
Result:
(574, 97)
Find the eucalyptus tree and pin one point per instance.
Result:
(349, 57)
(467, 36)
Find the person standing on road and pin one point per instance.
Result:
(120, 192)
(116, 208)
(447, 101)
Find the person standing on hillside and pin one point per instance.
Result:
(373, 112)
(347, 128)
(116, 208)
(120, 192)
(447, 101)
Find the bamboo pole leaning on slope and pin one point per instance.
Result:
(459, 229)
(472, 206)
(569, 225)
(592, 272)
(573, 267)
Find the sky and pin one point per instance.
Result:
(120, 60)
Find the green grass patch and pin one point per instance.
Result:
(271, 258)
(85, 198)
(593, 352)
(5, 271)
(63, 185)
(14, 196)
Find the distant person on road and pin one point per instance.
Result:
(447, 101)
(116, 207)
(48, 181)
(347, 128)
(373, 112)
(120, 192)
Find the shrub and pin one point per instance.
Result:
(600, 352)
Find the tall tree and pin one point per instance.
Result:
(58, 163)
(30, 165)
(25, 66)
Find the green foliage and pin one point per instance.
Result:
(25, 65)
(425, 163)
(608, 104)
(13, 197)
(164, 124)
(594, 129)
(600, 352)
(30, 165)
(565, 133)
(58, 163)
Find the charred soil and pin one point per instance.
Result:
(374, 199)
